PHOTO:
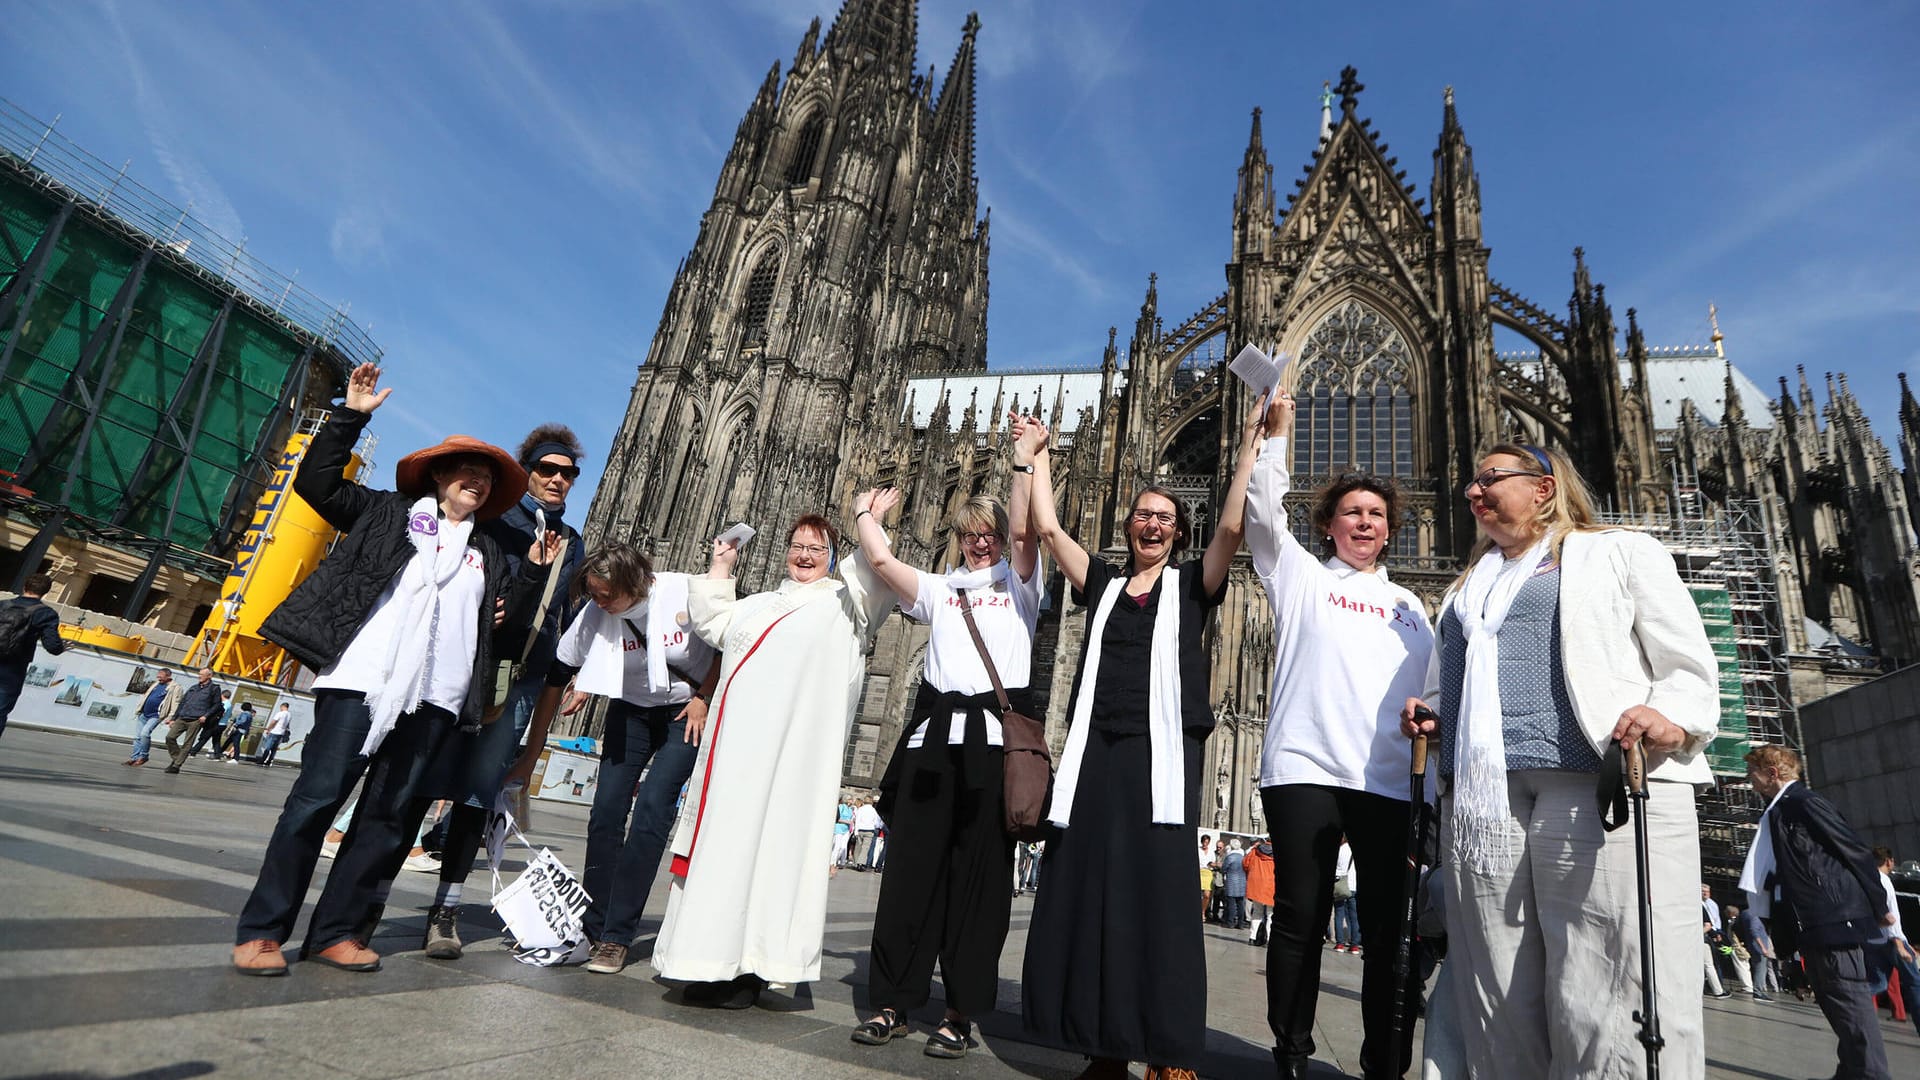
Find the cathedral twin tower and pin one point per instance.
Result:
(841, 255)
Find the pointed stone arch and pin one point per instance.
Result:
(1363, 375)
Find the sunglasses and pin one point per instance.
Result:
(548, 470)
(1494, 475)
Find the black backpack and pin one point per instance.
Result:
(16, 626)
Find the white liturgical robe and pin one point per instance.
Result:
(754, 839)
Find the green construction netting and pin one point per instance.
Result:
(132, 468)
(1728, 750)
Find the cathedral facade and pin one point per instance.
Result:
(827, 333)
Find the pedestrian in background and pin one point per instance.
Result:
(279, 726)
(1234, 869)
(237, 731)
(199, 706)
(158, 707)
(1346, 903)
(211, 731)
(26, 624)
(866, 823)
(1811, 873)
(1259, 864)
(1893, 952)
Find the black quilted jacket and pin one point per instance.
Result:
(315, 622)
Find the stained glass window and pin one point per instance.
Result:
(1355, 406)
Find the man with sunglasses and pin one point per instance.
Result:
(471, 771)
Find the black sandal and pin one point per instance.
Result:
(881, 1030)
(942, 1044)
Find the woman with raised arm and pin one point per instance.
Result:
(945, 892)
(747, 904)
(1562, 638)
(395, 622)
(1114, 966)
(1350, 646)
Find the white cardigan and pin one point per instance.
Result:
(1629, 635)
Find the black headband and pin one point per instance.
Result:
(1540, 456)
(546, 448)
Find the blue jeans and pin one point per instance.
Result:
(143, 737)
(269, 746)
(1346, 921)
(622, 861)
(11, 680)
(329, 767)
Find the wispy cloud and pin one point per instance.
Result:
(192, 183)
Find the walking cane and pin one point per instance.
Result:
(1621, 782)
(1648, 1015)
(1416, 846)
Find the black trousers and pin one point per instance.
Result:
(1843, 982)
(946, 896)
(330, 764)
(1307, 821)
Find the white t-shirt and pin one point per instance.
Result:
(450, 657)
(685, 651)
(1006, 618)
(281, 722)
(1888, 933)
(865, 818)
(1350, 647)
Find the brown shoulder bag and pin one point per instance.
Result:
(1027, 762)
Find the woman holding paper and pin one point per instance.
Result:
(748, 899)
(1114, 966)
(945, 895)
(1562, 638)
(634, 644)
(1350, 648)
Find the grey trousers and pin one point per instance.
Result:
(1542, 975)
(1845, 989)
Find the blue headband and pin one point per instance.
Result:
(1540, 456)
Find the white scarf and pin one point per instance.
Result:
(666, 601)
(1482, 839)
(1759, 865)
(439, 548)
(984, 578)
(603, 670)
(1164, 729)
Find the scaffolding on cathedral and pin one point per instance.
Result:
(1725, 557)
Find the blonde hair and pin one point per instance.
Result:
(981, 513)
(1568, 510)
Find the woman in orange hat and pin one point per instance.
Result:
(395, 622)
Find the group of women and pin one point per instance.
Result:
(1561, 637)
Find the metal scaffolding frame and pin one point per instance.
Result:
(1724, 547)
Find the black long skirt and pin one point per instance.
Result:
(1116, 966)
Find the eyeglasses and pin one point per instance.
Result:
(1164, 517)
(815, 550)
(548, 470)
(979, 537)
(1490, 477)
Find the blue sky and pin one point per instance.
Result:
(501, 190)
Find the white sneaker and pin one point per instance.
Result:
(329, 848)
(425, 863)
